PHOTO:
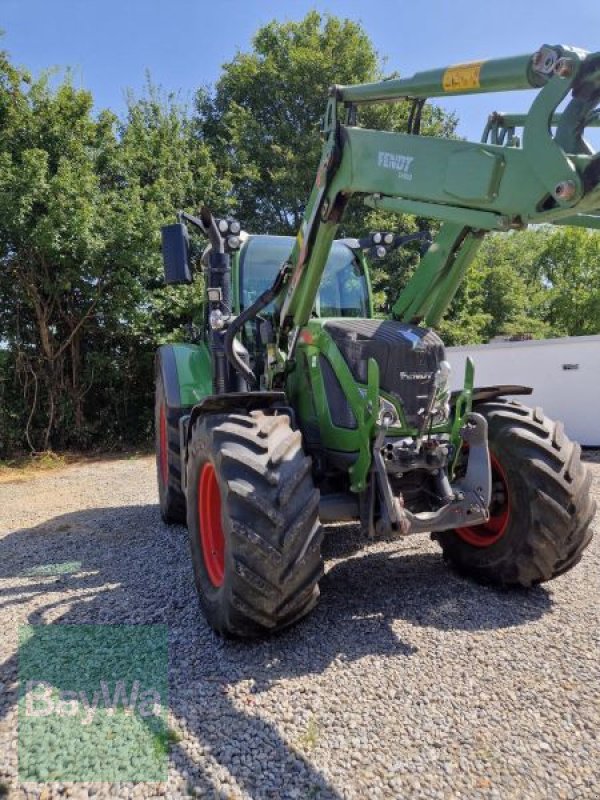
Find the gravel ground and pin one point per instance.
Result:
(407, 681)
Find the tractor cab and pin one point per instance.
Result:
(345, 288)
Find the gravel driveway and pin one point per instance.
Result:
(407, 681)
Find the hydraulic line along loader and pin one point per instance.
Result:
(296, 407)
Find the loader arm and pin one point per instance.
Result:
(501, 183)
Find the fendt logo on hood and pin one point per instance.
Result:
(397, 162)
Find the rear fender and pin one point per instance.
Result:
(186, 372)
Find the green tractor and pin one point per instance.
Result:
(295, 407)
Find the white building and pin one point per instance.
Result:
(563, 373)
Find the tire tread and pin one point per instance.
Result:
(553, 527)
(270, 519)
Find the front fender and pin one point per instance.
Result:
(483, 394)
(186, 372)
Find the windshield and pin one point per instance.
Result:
(343, 291)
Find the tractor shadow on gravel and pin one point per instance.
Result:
(410, 581)
(123, 566)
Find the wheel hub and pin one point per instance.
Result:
(212, 539)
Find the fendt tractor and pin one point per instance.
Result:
(295, 406)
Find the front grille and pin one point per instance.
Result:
(408, 357)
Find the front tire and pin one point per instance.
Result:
(541, 508)
(253, 523)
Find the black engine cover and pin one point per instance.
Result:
(408, 358)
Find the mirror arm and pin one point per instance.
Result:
(206, 223)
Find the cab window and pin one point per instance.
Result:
(343, 292)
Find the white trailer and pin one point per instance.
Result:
(563, 373)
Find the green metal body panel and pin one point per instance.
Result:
(310, 400)
(505, 181)
(194, 372)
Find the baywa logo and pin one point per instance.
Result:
(93, 703)
(398, 162)
(43, 700)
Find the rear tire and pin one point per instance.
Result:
(168, 457)
(253, 523)
(541, 508)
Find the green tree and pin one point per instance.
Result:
(54, 273)
(543, 282)
(82, 198)
(467, 320)
(568, 269)
(512, 291)
(502, 294)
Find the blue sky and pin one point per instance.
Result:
(111, 43)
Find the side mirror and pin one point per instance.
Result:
(176, 254)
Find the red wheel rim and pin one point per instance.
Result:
(211, 528)
(490, 532)
(163, 454)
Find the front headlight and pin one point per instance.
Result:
(387, 412)
(441, 403)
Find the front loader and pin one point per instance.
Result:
(294, 406)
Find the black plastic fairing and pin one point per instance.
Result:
(408, 357)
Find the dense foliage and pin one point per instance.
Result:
(83, 195)
(82, 198)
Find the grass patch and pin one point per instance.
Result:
(26, 466)
(165, 739)
(310, 738)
